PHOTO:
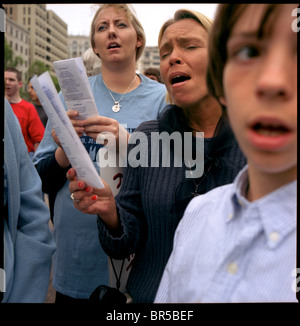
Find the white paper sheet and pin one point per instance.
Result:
(71, 143)
(75, 86)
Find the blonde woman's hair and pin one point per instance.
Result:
(131, 16)
(181, 14)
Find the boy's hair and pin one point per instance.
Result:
(226, 17)
(129, 11)
(16, 71)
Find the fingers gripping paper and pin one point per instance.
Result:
(71, 143)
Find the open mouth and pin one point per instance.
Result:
(270, 133)
(270, 130)
(113, 46)
(179, 79)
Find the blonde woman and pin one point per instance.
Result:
(122, 97)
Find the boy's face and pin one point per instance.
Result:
(260, 86)
(12, 85)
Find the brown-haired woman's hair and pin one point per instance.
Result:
(226, 17)
(130, 16)
(185, 14)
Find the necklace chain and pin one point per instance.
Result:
(197, 184)
(116, 107)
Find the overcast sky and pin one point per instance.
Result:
(152, 16)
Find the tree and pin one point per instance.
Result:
(38, 67)
(9, 59)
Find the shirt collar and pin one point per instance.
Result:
(277, 210)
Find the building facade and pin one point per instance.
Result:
(18, 39)
(57, 37)
(149, 58)
(77, 45)
(48, 33)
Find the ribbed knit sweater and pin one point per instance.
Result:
(152, 200)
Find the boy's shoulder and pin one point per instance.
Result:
(212, 201)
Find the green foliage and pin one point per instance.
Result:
(38, 67)
(9, 59)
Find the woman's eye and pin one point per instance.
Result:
(191, 47)
(163, 55)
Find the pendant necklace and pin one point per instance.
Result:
(196, 184)
(117, 106)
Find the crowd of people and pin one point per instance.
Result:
(226, 97)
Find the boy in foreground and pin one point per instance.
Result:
(237, 243)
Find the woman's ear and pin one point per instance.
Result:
(139, 41)
(97, 54)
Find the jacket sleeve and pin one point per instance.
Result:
(52, 175)
(131, 215)
(125, 242)
(28, 218)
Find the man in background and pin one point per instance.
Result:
(31, 125)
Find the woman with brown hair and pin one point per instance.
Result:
(143, 218)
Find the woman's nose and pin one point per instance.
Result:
(175, 58)
(111, 30)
